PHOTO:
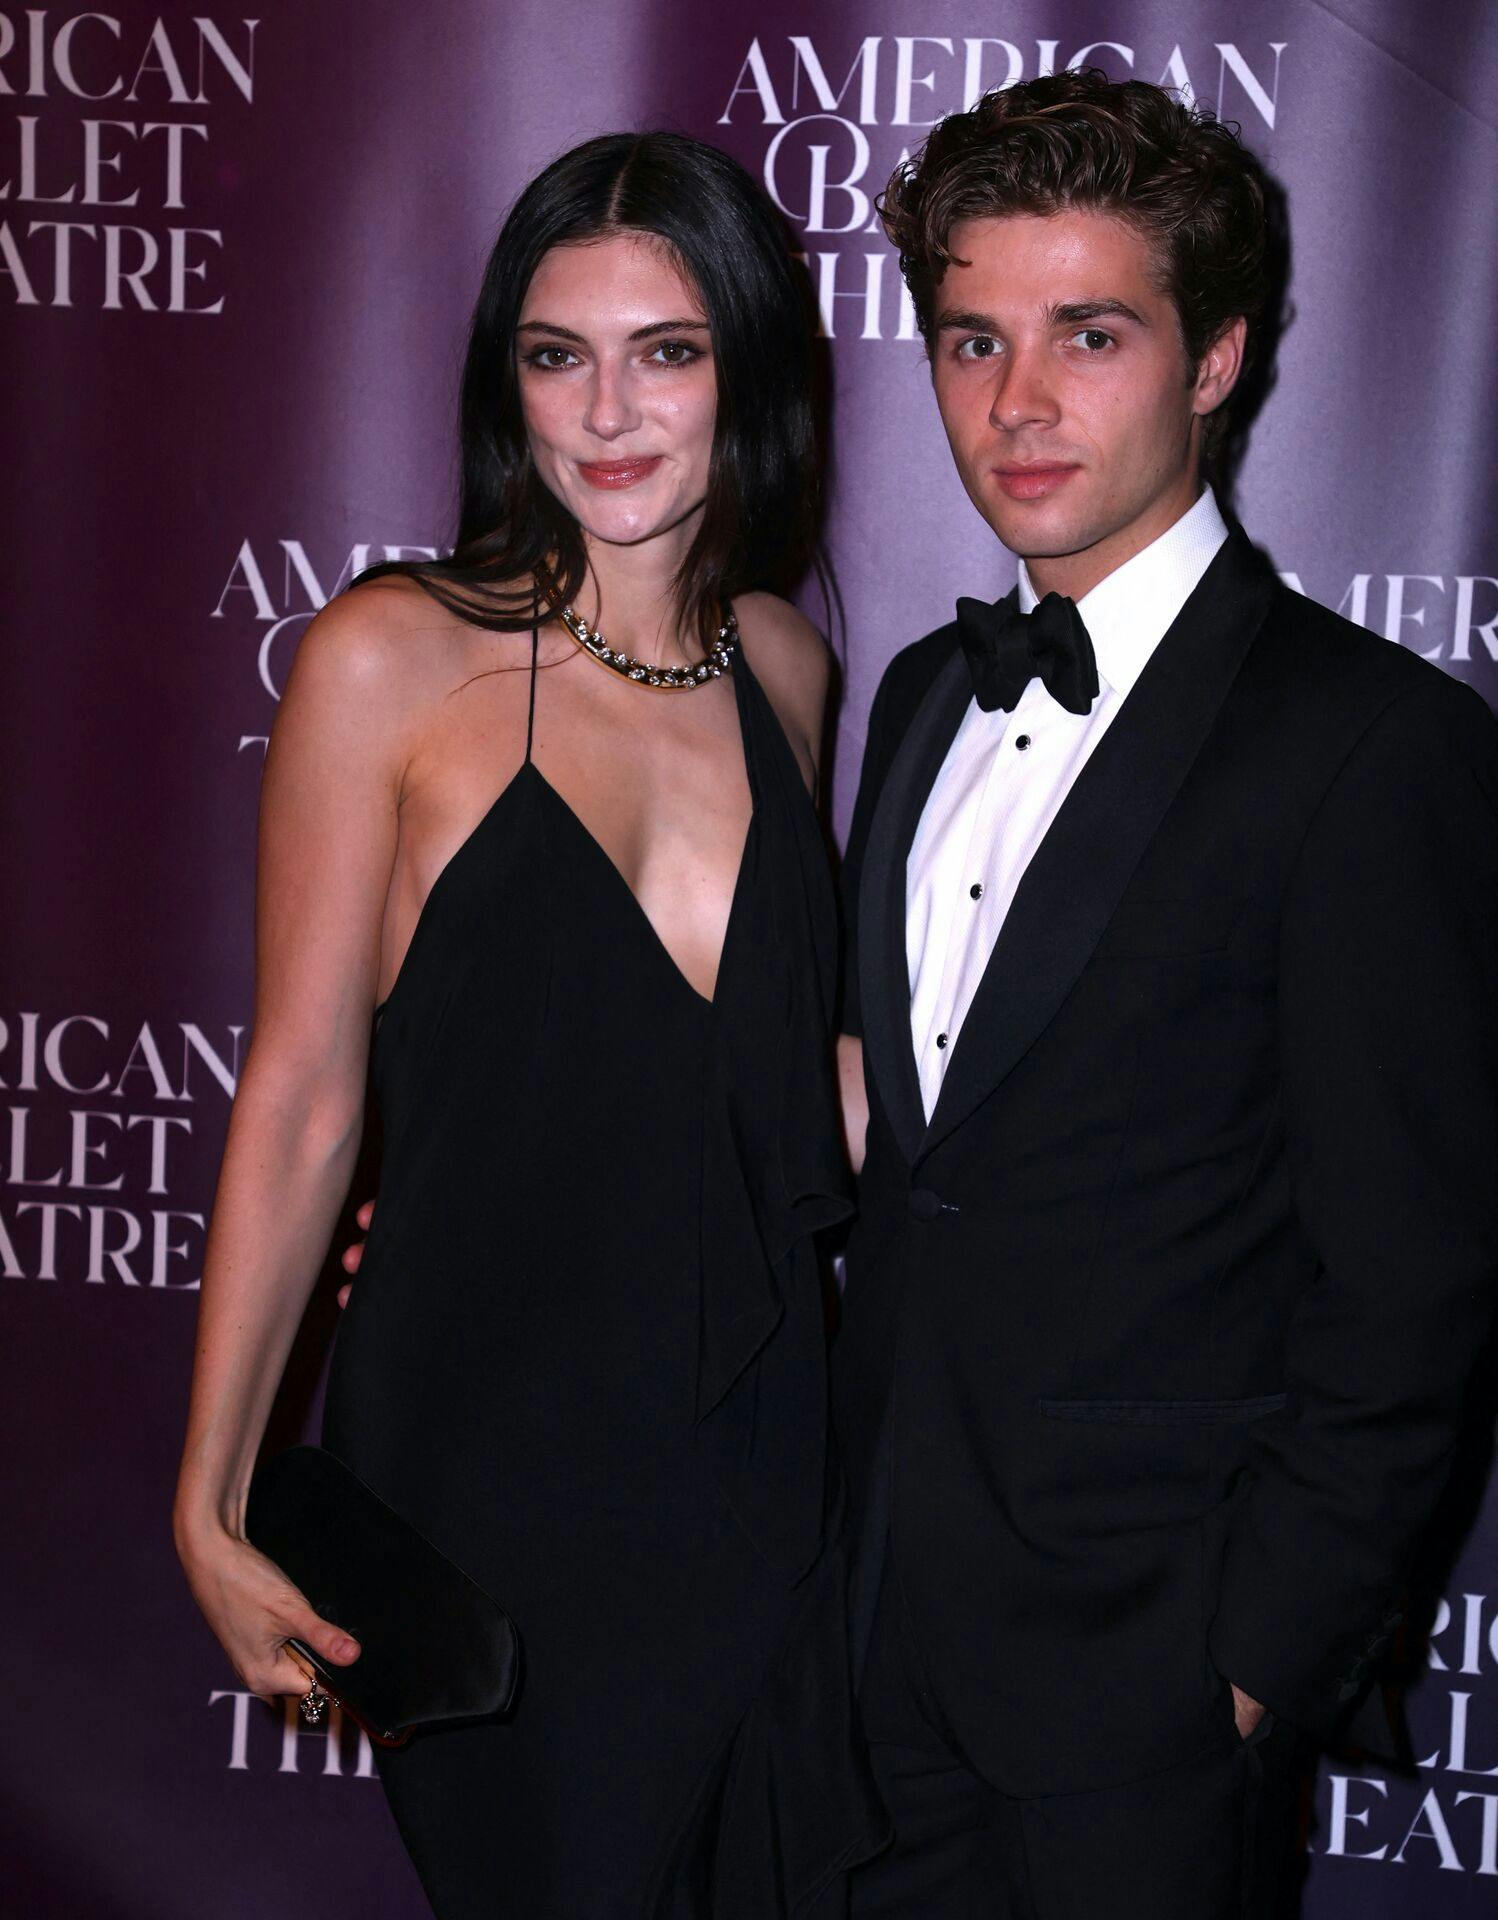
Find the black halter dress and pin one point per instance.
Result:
(586, 1356)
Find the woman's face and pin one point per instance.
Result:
(617, 386)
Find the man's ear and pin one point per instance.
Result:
(1220, 367)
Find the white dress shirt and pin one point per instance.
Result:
(1006, 775)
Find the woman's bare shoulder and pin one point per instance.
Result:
(378, 634)
(781, 634)
(791, 660)
(383, 651)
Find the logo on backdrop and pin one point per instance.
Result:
(109, 153)
(269, 1736)
(96, 1124)
(1450, 618)
(838, 120)
(1451, 1824)
(275, 587)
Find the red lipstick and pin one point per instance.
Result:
(1033, 482)
(613, 474)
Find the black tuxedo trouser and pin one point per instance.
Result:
(1208, 1840)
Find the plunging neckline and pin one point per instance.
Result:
(529, 766)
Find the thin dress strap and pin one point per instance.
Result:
(530, 720)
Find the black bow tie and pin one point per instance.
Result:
(1006, 649)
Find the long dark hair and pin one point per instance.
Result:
(759, 515)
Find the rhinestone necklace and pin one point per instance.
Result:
(719, 655)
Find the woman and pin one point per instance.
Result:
(575, 885)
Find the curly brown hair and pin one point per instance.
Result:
(1177, 174)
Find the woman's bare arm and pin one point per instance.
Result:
(328, 825)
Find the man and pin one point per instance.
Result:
(1175, 907)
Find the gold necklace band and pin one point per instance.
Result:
(666, 679)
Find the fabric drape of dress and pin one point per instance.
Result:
(586, 1356)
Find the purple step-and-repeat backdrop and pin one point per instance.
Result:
(236, 261)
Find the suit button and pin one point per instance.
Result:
(924, 1204)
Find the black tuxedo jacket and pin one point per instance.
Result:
(1154, 1340)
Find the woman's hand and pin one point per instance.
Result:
(351, 1256)
(254, 1609)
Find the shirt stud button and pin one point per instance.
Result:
(1022, 742)
(941, 1040)
(975, 891)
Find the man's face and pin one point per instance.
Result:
(1072, 412)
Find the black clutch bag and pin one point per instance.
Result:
(434, 1647)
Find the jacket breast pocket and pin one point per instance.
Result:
(1164, 1413)
(1161, 929)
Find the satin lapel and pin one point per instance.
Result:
(883, 974)
(1080, 870)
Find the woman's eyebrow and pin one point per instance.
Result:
(669, 326)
